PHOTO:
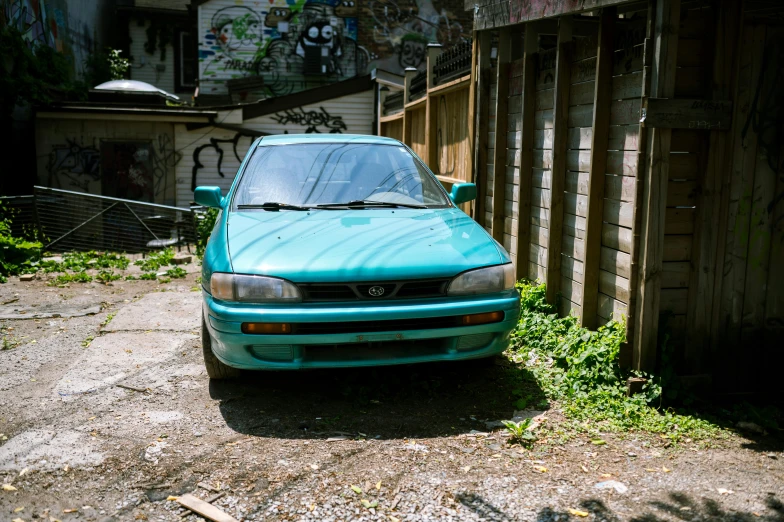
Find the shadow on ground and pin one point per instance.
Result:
(417, 401)
(677, 507)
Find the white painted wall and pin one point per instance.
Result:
(351, 114)
(145, 66)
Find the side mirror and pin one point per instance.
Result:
(208, 196)
(462, 192)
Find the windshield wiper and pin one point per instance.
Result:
(272, 206)
(369, 203)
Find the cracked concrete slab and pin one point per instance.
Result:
(49, 310)
(163, 311)
(112, 358)
(48, 449)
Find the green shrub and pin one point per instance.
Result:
(17, 255)
(204, 228)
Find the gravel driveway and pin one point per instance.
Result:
(107, 420)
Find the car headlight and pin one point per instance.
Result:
(484, 280)
(252, 288)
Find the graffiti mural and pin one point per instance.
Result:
(289, 43)
(313, 120)
(403, 28)
(49, 23)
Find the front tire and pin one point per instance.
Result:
(215, 368)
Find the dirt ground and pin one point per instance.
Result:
(106, 414)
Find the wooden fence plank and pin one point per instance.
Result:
(527, 131)
(560, 118)
(598, 166)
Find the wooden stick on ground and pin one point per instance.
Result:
(204, 509)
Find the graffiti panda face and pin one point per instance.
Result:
(347, 9)
(277, 14)
(318, 33)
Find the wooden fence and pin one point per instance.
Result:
(434, 118)
(633, 169)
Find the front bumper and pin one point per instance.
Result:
(356, 349)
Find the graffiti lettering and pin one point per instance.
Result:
(215, 144)
(312, 120)
(74, 165)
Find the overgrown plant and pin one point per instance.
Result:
(580, 368)
(204, 228)
(520, 432)
(81, 261)
(156, 260)
(17, 255)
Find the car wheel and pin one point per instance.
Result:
(215, 368)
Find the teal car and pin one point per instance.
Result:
(345, 251)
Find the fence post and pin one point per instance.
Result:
(501, 117)
(480, 81)
(409, 75)
(655, 179)
(558, 171)
(600, 130)
(431, 110)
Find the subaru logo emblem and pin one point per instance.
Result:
(376, 291)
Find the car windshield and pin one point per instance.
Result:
(312, 174)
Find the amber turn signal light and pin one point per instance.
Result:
(486, 318)
(266, 328)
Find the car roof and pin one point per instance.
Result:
(288, 139)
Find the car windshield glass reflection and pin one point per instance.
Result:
(336, 174)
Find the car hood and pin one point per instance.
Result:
(358, 245)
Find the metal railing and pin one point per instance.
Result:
(418, 86)
(67, 221)
(393, 102)
(453, 63)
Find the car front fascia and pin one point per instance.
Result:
(230, 345)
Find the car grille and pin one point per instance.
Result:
(394, 325)
(370, 291)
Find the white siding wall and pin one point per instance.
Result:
(143, 67)
(350, 114)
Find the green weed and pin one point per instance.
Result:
(81, 261)
(64, 279)
(156, 260)
(579, 368)
(148, 276)
(176, 272)
(520, 432)
(109, 318)
(106, 276)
